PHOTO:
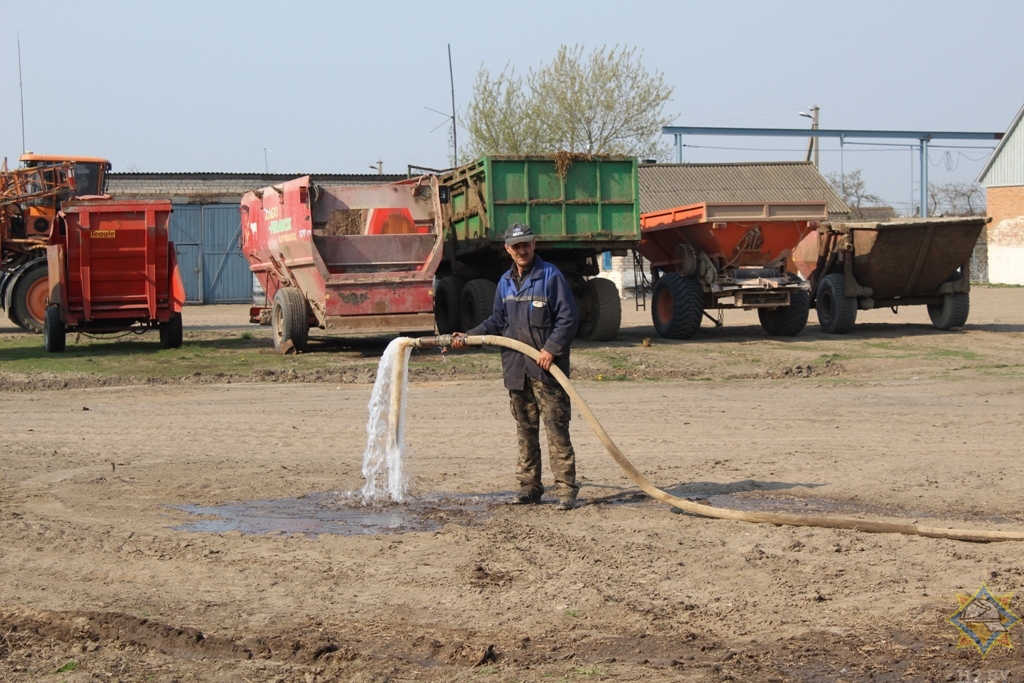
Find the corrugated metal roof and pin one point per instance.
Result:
(665, 186)
(1006, 165)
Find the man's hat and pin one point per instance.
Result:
(518, 233)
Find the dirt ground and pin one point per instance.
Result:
(116, 563)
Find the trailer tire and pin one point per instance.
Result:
(289, 320)
(787, 321)
(477, 302)
(837, 313)
(677, 305)
(952, 312)
(28, 299)
(54, 331)
(448, 304)
(171, 333)
(600, 310)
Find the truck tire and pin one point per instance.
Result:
(787, 321)
(477, 302)
(28, 300)
(289, 319)
(677, 305)
(600, 310)
(447, 304)
(837, 313)
(171, 333)
(952, 312)
(54, 332)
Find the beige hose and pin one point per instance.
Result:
(723, 513)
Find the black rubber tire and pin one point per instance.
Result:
(952, 312)
(171, 333)
(448, 303)
(477, 303)
(787, 321)
(837, 313)
(54, 331)
(289, 319)
(35, 276)
(600, 310)
(677, 306)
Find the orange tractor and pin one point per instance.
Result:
(30, 199)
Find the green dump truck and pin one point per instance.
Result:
(578, 206)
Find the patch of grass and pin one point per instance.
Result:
(571, 613)
(70, 666)
(245, 335)
(485, 670)
(593, 670)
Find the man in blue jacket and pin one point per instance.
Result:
(535, 305)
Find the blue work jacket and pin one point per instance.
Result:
(541, 313)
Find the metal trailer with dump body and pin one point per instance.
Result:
(111, 268)
(352, 260)
(728, 255)
(887, 264)
(578, 207)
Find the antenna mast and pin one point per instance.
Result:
(21, 93)
(451, 78)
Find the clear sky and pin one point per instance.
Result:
(333, 87)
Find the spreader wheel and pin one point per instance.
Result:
(447, 302)
(28, 300)
(837, 313)
(600, 310)
(54, 331)
(677, 305)
(787, 321)
(477, 302)
(952, 312)
(289, 319)
(171, 333)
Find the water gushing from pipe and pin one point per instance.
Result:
(385, 430)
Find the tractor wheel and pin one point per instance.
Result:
(28, 304)
(447, 302)
(952, 312)
(677, 305)
(171, 333)
(54, 332)
(289, 319)
(837, 313)
(477, 302)
(787, 321)
(600, 310)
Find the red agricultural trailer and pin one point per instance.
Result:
(355, 260)
(728, 256)
(112, 269)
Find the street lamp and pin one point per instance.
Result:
(812, 144)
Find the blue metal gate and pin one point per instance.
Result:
(226, 274)
(213, 269)
(186, 231)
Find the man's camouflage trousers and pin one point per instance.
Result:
(536, 401)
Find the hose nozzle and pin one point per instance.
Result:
(440, 341)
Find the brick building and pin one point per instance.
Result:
(1003, 180)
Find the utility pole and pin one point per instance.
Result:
(812, 144)
(451, 79)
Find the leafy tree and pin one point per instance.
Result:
(606, 102)
(852, 189)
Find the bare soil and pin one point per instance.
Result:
(113, 567)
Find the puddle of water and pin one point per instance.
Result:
(336, 513)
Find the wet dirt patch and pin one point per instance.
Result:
(337, 513)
